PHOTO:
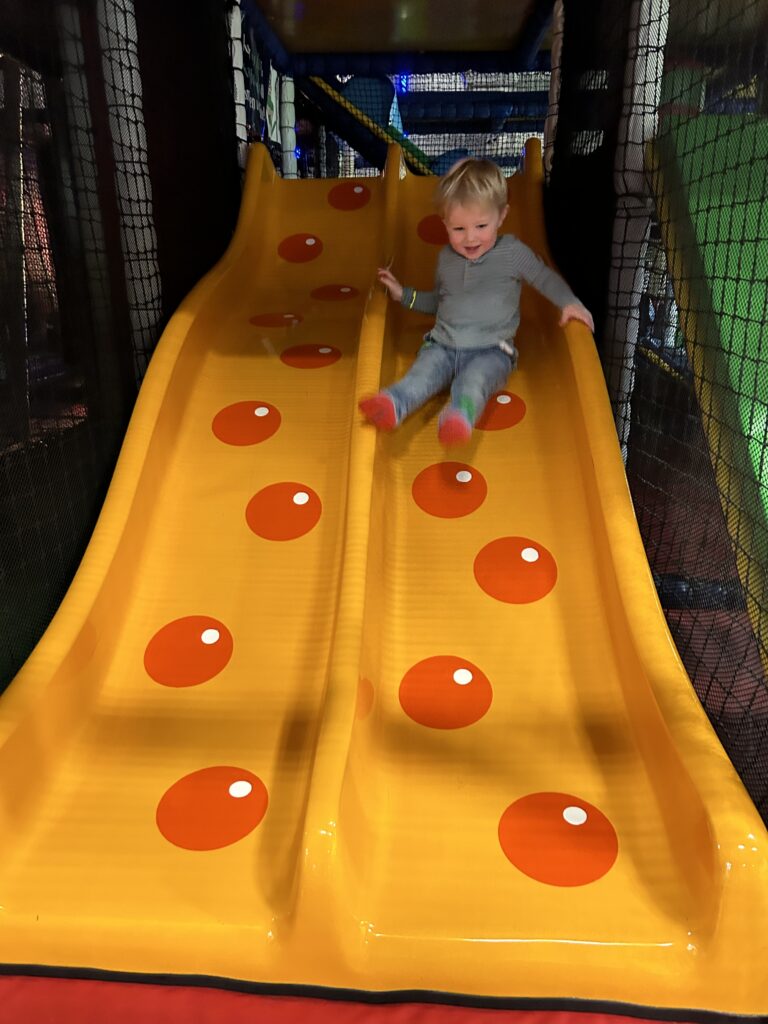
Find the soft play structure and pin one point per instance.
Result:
(332, 713)
(693, 164)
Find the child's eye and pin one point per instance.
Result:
(481, 226)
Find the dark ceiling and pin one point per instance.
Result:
(364, 26)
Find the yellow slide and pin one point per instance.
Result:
(331, 709)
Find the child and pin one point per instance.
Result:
(477, 301)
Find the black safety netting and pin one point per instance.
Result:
(658, 201)
(96, 248)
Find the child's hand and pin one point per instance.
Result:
(577, 312)
(391, 283)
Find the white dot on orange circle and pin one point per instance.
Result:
(262, 410)
(288, 316)
(504, 399)
(240, 789)
(575, 815)
(311, 241)
(325, 350)
(462, 676)
(358, 188)
(529, 555)
(300, 498)
(345, 289)
(210, 636)
(463, 476)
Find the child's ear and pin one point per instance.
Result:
(503, 214)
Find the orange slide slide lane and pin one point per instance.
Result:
(323, 708)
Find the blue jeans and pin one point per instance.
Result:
(473, 373)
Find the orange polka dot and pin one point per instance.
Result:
(350, 195)
(275, 320)
(334, 292)
(432, 230)
(188, 651)
(310, 357)
(516, 570)
(300, 248)
(365, 698)
(211, 808)
(246, 423)
(283, 511)
(558, 839)
(503, 410)
(449, 489)
(445, 692)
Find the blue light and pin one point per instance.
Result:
(297, 151)
(403, 83)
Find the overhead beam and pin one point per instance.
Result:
(472, 105)
(481, 126)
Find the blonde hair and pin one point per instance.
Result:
(472, 181)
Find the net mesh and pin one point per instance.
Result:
(676, 174)
(90, 264)
(59, 425)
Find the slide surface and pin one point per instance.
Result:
(323, 708)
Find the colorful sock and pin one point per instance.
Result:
(467, 406)
(453, 427)
(379, 410)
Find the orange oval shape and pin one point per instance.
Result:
(283, 511)
(211, 808)
(502, 411)
(246, 423)
(188, 651)
(300, 248)
(449, 489)
(558, 839)
(310, 357)
(350, 195)
(432, 230)
(516, 570)
(445, 692)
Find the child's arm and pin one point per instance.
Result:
(422, 302)
(549, 284)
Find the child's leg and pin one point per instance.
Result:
(430, 373)
(479, 377)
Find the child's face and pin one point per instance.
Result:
(472, 229)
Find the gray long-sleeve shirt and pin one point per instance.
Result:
(477, 302)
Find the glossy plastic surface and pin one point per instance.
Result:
(332, 709)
